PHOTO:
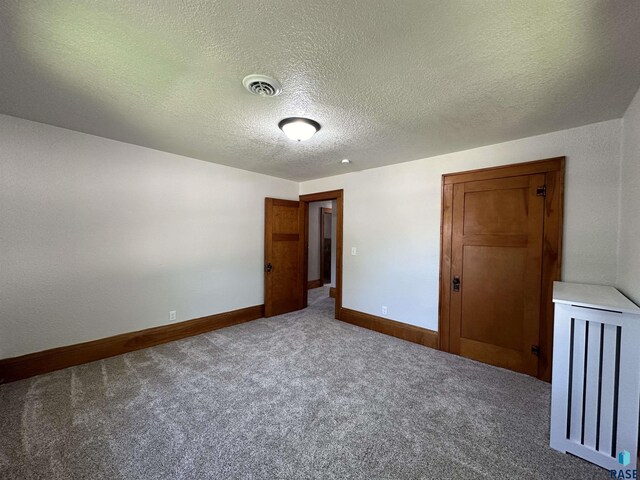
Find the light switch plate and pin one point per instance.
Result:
(354, 251)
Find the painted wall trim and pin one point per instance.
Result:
(411, 333)
(25, 366)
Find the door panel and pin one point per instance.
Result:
(502, 212)
(284, 256)
(285, 217)
(496, 251)
(484, 292)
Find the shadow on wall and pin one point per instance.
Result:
(87, 64)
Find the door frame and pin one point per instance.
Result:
(305, 200)
(323, 212)
(554, 168)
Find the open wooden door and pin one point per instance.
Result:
(284, 257)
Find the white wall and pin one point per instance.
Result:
(629, 248)
(99, 237)
(314, 239)
(398, 246)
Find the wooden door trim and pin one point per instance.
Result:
(554, 170)
(322, 196)
(555, 164)
(323, 212)
(446, 240)
(268, 240)
(338, 196)
(551, 263)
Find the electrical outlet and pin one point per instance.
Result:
(172, 316)
(384, 310)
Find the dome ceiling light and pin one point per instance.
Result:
(298, 128)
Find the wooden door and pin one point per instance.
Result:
(501, 251)
(325, 245)
(283, 257)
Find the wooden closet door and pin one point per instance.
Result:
(496, 271)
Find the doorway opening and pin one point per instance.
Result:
(287, 275)
(321, 251)
(327, 246)
(321, 258)
(323, 245)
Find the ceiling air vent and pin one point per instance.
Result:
(262, 85)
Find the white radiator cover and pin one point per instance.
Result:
(595, 392)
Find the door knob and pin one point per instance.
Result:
(268, 267)
(456, 284)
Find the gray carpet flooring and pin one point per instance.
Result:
(292, 397)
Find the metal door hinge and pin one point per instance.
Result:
(541, 191)
(535, 349)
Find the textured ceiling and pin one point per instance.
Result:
(389, 81)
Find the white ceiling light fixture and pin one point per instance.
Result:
(345, 161)
(298, 128)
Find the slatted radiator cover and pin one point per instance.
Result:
(595, 407)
